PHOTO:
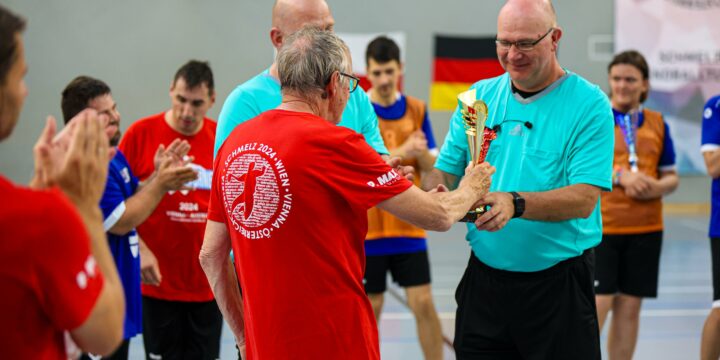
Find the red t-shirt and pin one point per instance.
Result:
(294, 191)
(175, 230)
(49, 279)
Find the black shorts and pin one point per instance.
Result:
(715, 251)
(548, 314)
(181, 330)
(628, 264)
(407, 270)
(121, 353)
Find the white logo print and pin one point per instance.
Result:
(387, 178)
(707, 113)
(125, 173)
(256, 190)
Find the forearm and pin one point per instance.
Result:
(437, 177)
(666, 184)
(215, 262)
(455, 204)
(139, 207)
(570, 202)
(230, 302)
(712, 162)
(426, 162)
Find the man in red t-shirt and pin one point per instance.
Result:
(180, 316)
(56, 271)
(290, 194)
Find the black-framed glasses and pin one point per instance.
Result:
(522, 45)
(353, 80)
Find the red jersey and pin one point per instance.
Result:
(174, 232)
(294, 191)
(49, 279)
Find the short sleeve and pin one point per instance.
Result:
(112, 203)
(239, 107)
(360, 175)
(591, 149)
(69, 279)
(667, 157)
(710, 140)
(453, 154)
(427, 130)
(369, 122)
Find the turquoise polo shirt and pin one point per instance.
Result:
(561, 136)
(262, 93)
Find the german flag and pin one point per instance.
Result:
(460, 62)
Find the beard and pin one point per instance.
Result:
(115, 140)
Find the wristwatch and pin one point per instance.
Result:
(519, 203)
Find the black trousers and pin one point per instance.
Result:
(181, 330)
(549, 314)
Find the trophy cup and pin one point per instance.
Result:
(474, 113)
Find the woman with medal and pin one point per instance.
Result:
(628, 259)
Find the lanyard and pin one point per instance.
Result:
(629, 125)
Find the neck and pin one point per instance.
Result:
(382, 100)
(555, 73)
(169, 116)
(625, 108)
(274, 71)
(292, 102)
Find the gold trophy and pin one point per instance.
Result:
(474, 113)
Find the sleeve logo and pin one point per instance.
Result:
(707, 113)
(385, 179)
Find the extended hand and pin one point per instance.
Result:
(478, 177)
(501, 211)
(177, 150)
(636, 184)
(83, 170)
(149, 267)
(173, 175)
(415, 145)
(406, 171)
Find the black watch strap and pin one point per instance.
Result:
(519, 203)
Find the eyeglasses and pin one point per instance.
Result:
(522, 45)
(353, 80)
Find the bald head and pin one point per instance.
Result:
(291, 15)
(531, 13)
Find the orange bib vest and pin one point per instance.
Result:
(620, 213)
(382, 224)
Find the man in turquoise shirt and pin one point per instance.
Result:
(262, 92)
(528, 289)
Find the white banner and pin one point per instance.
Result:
(681, 41)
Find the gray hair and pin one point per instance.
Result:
(308, 58)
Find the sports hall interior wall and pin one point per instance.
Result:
(136, 46)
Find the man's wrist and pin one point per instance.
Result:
(518, 204)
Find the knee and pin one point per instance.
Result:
(627, 307)
(422, 305)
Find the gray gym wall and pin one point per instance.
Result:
(137, 45)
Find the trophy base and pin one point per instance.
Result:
(473, 215)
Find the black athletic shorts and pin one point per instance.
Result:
(181, 330)
(628, 264)
(715, 250)
(548, 314)
(121, 353)
(407, 270)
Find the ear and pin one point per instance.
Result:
(332, 86)
(556, 35)
(276, 37)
